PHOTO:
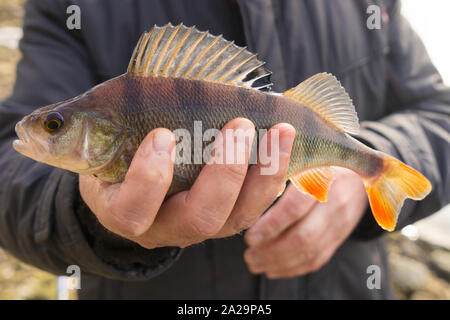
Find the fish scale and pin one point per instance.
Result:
(317, 141)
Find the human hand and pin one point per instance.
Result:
(299, 235)
(224, 200)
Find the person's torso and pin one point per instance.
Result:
(296, 39)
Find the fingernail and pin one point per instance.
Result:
(243, 124)
(163, 141)
(246, 129)
(286, 140)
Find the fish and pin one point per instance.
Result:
(178, 75)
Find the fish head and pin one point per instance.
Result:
(74, 135)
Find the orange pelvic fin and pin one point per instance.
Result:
(391, 187)
(315, 182)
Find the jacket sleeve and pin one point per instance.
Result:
(417, 129)
(43, 220)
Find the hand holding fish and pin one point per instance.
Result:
(299, 235)
(224, 200)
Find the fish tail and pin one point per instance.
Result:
(390, 187)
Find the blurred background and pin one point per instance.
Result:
(419, 254)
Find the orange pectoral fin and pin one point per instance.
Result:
(315, 182)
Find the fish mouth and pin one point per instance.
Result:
(21, 133)
(20, 144)
(26, 145)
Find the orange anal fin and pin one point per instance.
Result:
(384, 211)
(315, 182)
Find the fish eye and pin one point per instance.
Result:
(53, 121)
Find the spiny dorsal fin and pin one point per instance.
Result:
(324, 94)
(314, 181)
(178, 51)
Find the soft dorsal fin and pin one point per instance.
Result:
(324, 94)
(178, 51)
(314, 181)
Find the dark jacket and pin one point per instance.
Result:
(398, 94)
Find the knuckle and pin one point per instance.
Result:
(280, 175)
(243, 224)
(292, 273)
(204, 228)
(284, 158)
(340, 202)
(158, 175)
(309, 256)
(108, 206)
(147, 244)
(291, 208)
(235, 173)
(129, 222)
(247, 258)
(101, 205)
(302, 237)
(142, 174)
(186, 244)
(291, 213)
(271, 227)
(314, 265)
(345, 218)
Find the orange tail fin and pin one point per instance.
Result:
(391, 187)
